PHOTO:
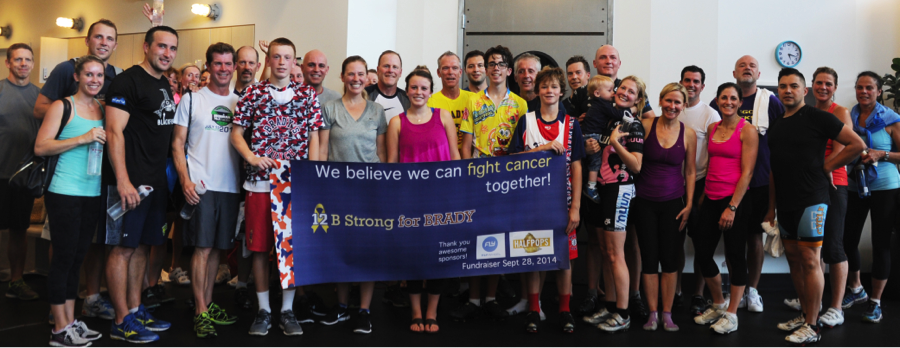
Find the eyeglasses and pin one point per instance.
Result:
(494, 65)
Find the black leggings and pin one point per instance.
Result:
(706, 239)
(883, 205)
(434, 286)
(73, 222)
(658, 235)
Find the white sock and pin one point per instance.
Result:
(476, 302)
(287, 299)
(878, 301)
(856, 290)
(263, 298)
(592, 184)
(92, 298)
(489, 299)
(133, 310)
(722, 306)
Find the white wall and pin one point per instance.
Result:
(657, 38)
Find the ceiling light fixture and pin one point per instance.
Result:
(211, 11)
(73, 23)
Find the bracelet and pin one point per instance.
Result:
(887, 156)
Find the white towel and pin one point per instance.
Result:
(761, 110)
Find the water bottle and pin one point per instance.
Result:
(861, 186)
(95, 158)
(115, 211)
(156, 19)
(188, 209)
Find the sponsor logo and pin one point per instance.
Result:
(118, 100)
(222, 116)
(528, 243)
(320, 219)
(626, 192)
(817, 221)
(490, 246)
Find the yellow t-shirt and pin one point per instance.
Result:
(457, 108)
(492, 126)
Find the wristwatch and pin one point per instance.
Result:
(887, 156)
(733, 208)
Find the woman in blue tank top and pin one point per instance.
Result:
(73, 198)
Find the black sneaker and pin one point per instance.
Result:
(567, 322)
(316, 305)
(242, 298)
(636, 306)
(588, 306)
(678, 302)
(532, 320)
(396, 296)
(464, 313)
(494, 310)
(160, 292)
(698, 305)
(353, 298)
(363, 323)
(149, 299)
(337, 315)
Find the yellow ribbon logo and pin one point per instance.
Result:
(320, 218)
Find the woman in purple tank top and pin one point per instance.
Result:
(662, 212)
(422, 134)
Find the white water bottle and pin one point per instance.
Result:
(188, 211)
(115, 211)
(95, 158)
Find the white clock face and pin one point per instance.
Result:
(789, 54)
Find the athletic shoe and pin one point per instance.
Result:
(532, 320)
(599, 317)
(218, 316)
(794, 303)
(615, 323)
(851, 299)
(699, 305)
(304, 315)
(20, 290)
(81, 328)
(261, 324)
(541, 312)
(164, 277)
(494, 310)
(652, 322)
(792, 324)
(873, 313)
(668, 325)
(678, 301)
(520, 307)
(395, 296)
(337, 314)
(288, 323)
(98, 308)
(180, 276)
(754, 301)
(242, 298)
(160, 292)
(567, 322)
(203, 326)
(464, 313)
(711, 314)
(806, 334)
(832, 317)
(68, 338)
(636, 306)
(131, 330)
(727, 324)
(223, 274)
(592, 194)
(149, 299)
(316, 305)
(588, 305)
(233, 282)
(363, 323)
(149, 322)
(743, 303)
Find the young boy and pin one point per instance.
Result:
(601, 110)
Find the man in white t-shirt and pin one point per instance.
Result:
(386, 92)
(203, 123)
(698, 116)
(315, 68)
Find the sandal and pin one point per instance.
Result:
(431, 323)
(417, 321)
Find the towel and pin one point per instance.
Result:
(761, 110)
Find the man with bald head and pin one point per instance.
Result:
(607, 63)
(315, 67)
(760, 107)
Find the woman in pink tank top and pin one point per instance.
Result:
(422, 134)
(733, 144)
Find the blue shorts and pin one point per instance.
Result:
(805, 227)
(145, 225)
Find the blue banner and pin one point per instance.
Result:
(379, 222)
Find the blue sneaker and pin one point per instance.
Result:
(851, 299)
(98, 308)
(592, 194)
(131, 330)
(873, 313)
(148, 321)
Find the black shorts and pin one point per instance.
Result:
(615, 201)
(145, 225)
(804, 226)
(758, 209)
(15, 207)
(214, 222)
(833, 245)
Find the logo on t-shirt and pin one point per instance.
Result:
(118, 100)
(167, 106)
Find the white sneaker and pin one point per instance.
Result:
(180, 276)
(543, 317)
(164, 277)
(833, 317)
(794, 303)
(743, 303)
(711, 315)
(792, 324)
(521, 307)
(597, 318)
(804, 335)
(728, 323)
(233, 282)
(754, 301)
(223, 274)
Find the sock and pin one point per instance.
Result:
(241, 285)
(622, 312)
(476, 302)
(133, 310)
(667, 319)
(92, 298)
(489, 299)
(534, 303)
(856, 290)
(263, 298)
(592, 293)
(361, 310)
(877, 301)
(63, 329)
(564, 303)
(287, 299)
(635, 294)
(611, 306)
(723, 305)
(592, 185)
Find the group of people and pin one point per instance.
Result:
(707, 171)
